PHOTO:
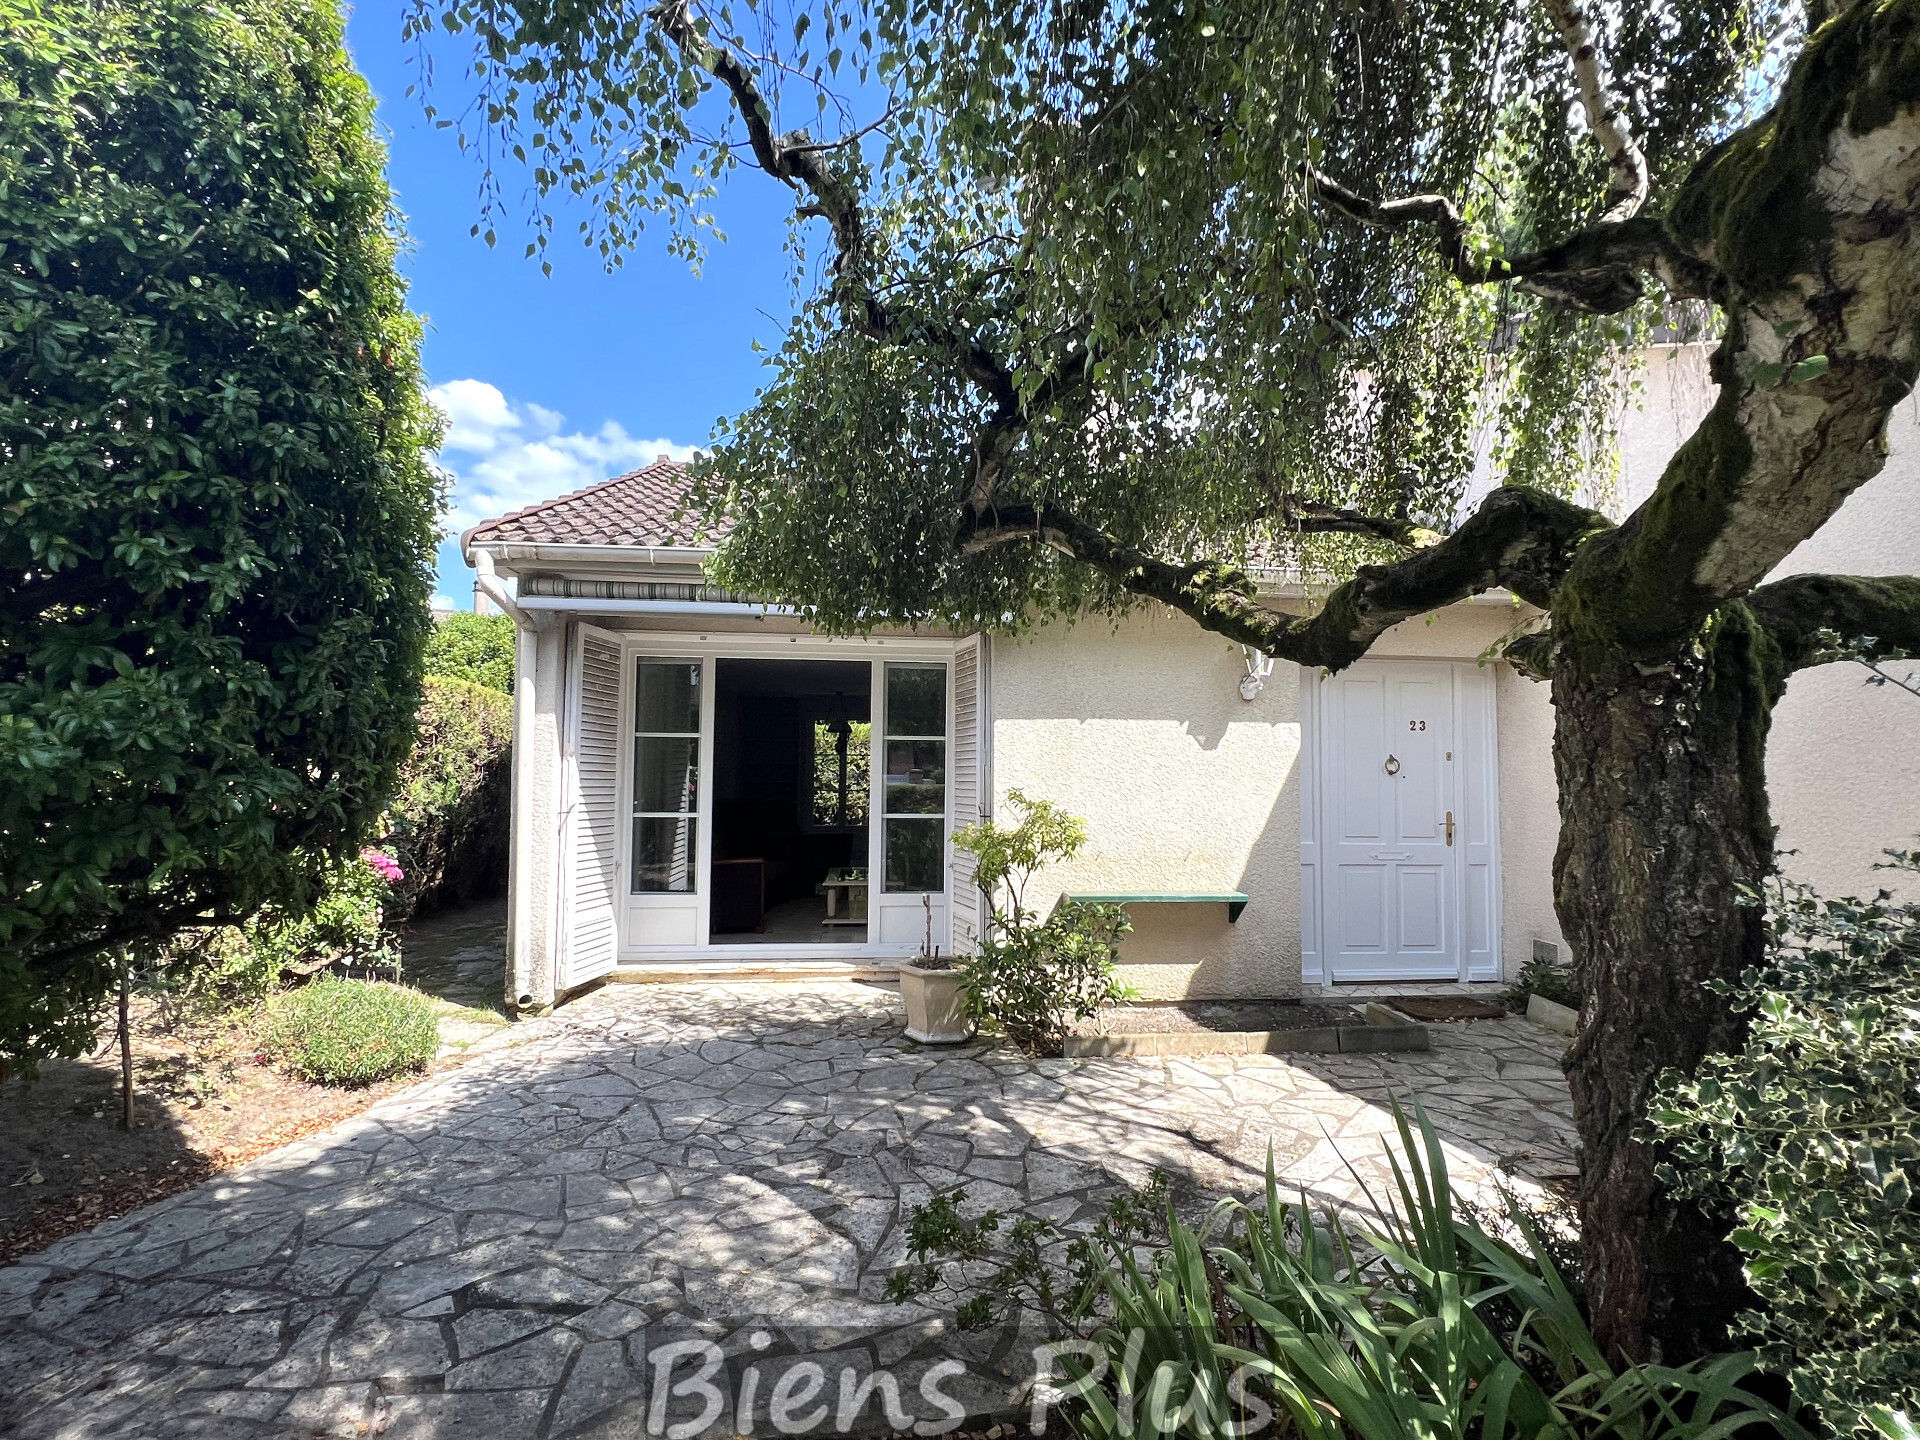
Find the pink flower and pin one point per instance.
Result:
(384, 866)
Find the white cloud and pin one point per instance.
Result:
(504, 455)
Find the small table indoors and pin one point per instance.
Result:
(846, 892)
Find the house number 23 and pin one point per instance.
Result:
(1416, 724)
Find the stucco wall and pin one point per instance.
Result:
(1187, 787)
(1184, 785)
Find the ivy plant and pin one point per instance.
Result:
(1811, 1133)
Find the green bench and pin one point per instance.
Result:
(1232, 899)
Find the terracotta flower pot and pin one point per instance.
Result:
(936, 1006)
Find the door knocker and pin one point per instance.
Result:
(1393, 766)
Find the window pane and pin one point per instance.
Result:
(916, 699)
(916, 777)
(663, 853)
(666, 774)
(913, 855)
(669, 697)
(841, 760)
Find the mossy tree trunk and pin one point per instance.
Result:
(1663, 822)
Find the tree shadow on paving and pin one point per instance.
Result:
(505, 1245)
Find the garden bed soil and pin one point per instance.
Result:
(1447, 1009)
(1191, 1017)
(204, 1101)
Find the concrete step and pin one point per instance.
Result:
(1390, 989)
(729, 971)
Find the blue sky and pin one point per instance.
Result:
(554, 382)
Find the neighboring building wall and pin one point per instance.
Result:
(1838, 769)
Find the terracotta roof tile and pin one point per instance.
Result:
(642, 507)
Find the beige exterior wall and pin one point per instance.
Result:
(1184, 786)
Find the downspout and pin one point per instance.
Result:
(520, 993)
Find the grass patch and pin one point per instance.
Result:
(352, 1032)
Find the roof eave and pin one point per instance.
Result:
(511, 552)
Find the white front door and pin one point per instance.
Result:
(1392, 884)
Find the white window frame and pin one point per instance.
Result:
(896, 914)
(701, 778)
(945, 818)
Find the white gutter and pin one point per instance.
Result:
(512, 552)
(491, 587)
(601, 606)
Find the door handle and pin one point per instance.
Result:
(1392, 767)
(1449, 827)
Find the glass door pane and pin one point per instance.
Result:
(914, 754)
(666, 775)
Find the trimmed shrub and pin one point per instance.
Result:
(1032, 978)
(449, 823)
(474, 648)
(1812, 1132)
(242, 965)
(352, 1032)
(343, 927)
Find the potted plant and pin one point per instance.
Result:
(934, 992)
(936, 1000)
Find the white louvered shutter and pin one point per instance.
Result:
(964, 773)
(592, 942)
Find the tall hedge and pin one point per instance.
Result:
(449, 825)
(473, 647)
(216, 514)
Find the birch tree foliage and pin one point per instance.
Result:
(1072, 258)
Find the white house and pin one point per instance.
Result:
(691, 786)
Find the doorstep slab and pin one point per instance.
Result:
(1317, 1040)
(763, 972)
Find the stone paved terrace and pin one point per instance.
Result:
(497, 1252)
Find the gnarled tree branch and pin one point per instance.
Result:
(1519, 538)
(798, 161)
(1627, 174)
(1300, 516)
(1881, 613)
(1598, 269)
(1810, 212)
